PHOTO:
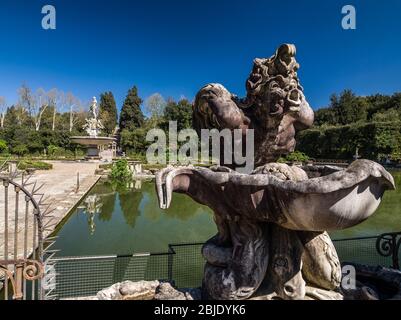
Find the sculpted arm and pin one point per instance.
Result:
(202, 185)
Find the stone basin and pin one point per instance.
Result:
(92, 144)
(277, 218)
(334, 201)
(92, 141)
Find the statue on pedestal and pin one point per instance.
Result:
(93, 125)
(272, 239)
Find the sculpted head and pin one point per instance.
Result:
(275, 106)
(276, 102)
(273, 85)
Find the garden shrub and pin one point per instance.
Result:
(120, 171)
(3, 146)
(20, 150)
(39, 165)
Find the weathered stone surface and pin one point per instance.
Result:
(272, 222)
(248, 209)
(146, 290)
(141, 290)
(128, 290)
(311, 293)
(372, 283)
(167, 292)
(275, 106)
(321, 264)
(110, 293)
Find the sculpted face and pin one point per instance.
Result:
(277, 105)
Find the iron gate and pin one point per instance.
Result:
(22, 215)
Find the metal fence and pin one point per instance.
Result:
(183, 264)
(85, 276)
(383, 249)
(25, 216)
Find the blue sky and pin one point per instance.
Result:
(176, 46)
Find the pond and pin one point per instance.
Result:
(125, 220)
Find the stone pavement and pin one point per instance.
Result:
(60, 189)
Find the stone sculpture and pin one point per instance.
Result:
(94, 143)
(272, 239)
(93, 125)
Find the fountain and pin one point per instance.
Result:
(93, 141)
(272, 240)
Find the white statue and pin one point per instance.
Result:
(93, 108)
(93, 124)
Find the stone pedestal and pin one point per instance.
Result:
(93, 145)
(92, 153)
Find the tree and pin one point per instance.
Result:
(180, 112)
(57, 101)
(72, 104)
(11, 117)
(20, 150)
(377, 103)
(35, 104)
(325, 116)
(26, 104)
(155, 105)
(131, 115)
(386, 116)
(80, 119)
(108, 112)
(40, 103)
(349, 108)
(134, 140)
(3, 110)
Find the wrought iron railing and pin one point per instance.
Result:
(24, 217)
(388, 245)
(20, 211)
(383, 249)
(183, 264)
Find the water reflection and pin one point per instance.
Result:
(124, 219)
(92, 206)
(108, 201)
(129, 204)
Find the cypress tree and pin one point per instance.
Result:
(131, 115)
(108, 112)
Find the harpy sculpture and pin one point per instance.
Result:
(272, 240)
